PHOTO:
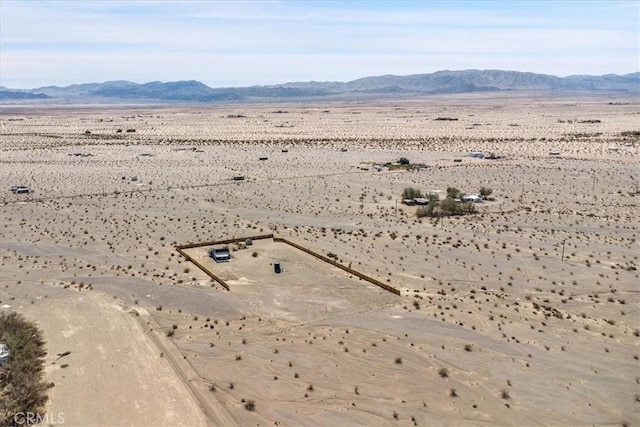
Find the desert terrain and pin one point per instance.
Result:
(525, 313)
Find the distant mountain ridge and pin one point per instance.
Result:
(440, 82)
(10, 94)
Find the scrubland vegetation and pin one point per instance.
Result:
(523, 304)
(23, 387)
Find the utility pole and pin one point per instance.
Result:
(562, 257)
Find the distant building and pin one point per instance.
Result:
(472, 198)
(421, 201)
(4, 354)
(20, 189)
(220, 254)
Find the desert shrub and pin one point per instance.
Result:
(485, 192)
(404, 161)
(446, 207)
(449, 206)
(411, 193)
(467, 207)
(426, 211)
(453, 193)
(432, 198)
(631, 133)
(22, 388)
(422, 211)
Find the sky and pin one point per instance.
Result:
(243, 43)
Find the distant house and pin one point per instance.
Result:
(419, 166)
(4, 354)
(472, 198)
(220, 254)
(421, 201)
(20, 189)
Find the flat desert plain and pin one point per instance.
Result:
(524, 313)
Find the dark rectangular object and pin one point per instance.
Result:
(276, 267)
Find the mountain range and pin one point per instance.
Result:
(440, 82)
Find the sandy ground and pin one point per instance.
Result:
(525, 313)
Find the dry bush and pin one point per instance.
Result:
(22, 388)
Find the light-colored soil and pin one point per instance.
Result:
(328, 291)
(490, 306)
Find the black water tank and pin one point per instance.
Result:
(276, 267)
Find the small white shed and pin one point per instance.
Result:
(4, 354)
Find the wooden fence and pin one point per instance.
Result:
(180, 249)
(203, 268)
(337, 264)
(223, 242)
